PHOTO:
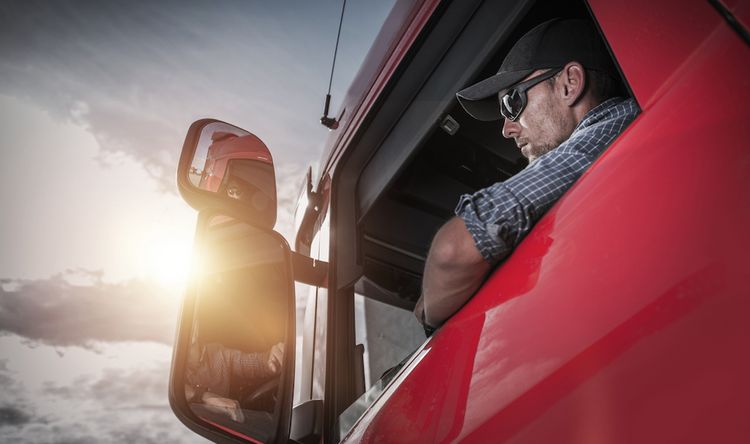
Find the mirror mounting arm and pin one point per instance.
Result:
(309, 271)
(310, 216)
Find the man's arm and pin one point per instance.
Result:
(453, 272)
(500, 215)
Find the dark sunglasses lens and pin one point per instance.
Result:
(511, 105)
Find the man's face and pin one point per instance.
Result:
(543, 124)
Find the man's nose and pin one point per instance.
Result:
(510, 128)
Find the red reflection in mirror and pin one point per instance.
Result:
(226, 146)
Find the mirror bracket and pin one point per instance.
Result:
(309, 271)
(310, 214)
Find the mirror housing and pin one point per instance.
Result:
(232, 372)
(225, 168)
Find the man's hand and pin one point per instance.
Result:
(419, 313)
(275, 358)
(223, 406)
(419, 310)
(453, 272)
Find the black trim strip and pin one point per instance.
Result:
(731, 20)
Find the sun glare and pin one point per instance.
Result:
(169, 260)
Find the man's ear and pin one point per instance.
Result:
(573, 78)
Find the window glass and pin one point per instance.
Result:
(306, 299)
(321, 244)
(388, 333)
(349, 417)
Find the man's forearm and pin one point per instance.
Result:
(453, 272)
(446, 289)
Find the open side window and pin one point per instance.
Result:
(408, 185)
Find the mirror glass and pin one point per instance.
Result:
(236, 357)
(235, 163)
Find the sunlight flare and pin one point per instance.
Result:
(168, 259)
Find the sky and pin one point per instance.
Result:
(95, 100)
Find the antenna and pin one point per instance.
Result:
(331, 122)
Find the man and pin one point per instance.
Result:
(556, 90)
(213, 367)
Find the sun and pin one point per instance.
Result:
(168, 259)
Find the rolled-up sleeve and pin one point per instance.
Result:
(491, 215)
(499, 216)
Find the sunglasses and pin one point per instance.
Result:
(514, 101)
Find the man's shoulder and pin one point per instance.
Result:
(601, 126)
(611, 110)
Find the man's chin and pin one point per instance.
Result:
(533, 154)
(528, 153)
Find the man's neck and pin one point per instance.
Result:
(583, 106)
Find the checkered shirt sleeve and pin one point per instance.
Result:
(499, 216)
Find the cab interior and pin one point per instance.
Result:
(397, 230)
(416, 153)
(410, 185)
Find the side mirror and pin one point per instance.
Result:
(225, 168)
(233, 364)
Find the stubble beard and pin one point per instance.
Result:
(551, 139)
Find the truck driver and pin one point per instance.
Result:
(559, 96)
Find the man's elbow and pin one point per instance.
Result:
(455, 269)
(454, 247)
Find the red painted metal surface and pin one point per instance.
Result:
(226, 147)
(232, 432)
(740, 9)
(622, 317)
(653, 41)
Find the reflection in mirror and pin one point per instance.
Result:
(233, 162)
(235, 358)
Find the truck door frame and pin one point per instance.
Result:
(436, 64)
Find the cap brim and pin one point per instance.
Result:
(480, 99)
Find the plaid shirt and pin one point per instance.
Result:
(499, 216)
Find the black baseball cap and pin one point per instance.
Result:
(551, 44)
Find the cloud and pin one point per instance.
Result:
(95, 81)
(78, 307)
(126, 388)
(119, 404)
(56, 312)
(10, 389)
(16, 410)
(11, 416)
(136, 74)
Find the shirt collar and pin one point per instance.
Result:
(598, 113)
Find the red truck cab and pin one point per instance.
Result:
(619, 318)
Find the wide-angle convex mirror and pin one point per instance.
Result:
(226, 168)
(232, 369)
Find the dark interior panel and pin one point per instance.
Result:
(397, 232)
